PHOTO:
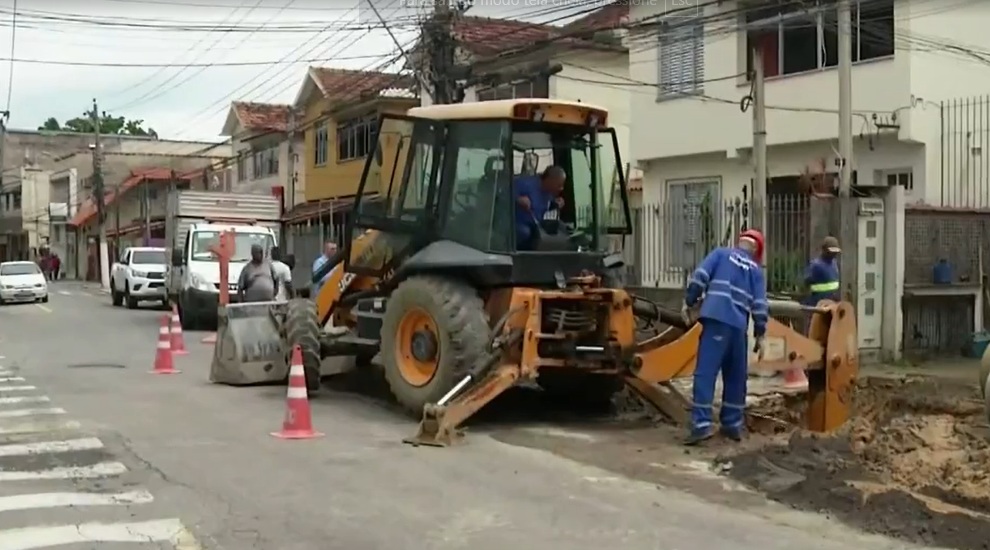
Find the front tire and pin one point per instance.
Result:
(115, 297)
(434, 331)
(302, 328)
(131, 302)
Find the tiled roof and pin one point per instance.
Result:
(607, 18)
(262, 116)
(88, 208)
(346, 84)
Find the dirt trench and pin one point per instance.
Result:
(914, 463)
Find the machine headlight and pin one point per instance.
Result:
(139, 274)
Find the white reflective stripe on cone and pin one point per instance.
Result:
(163, 345)
(296, 393)
(297, 371)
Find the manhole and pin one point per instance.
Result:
(96, 366)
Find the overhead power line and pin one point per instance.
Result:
(218, 64)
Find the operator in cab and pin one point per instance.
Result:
(734, 290)
(258, 282)
(535, 196)
(821, 277)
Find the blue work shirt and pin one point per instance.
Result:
(317, 264)
(822, 278)
(540, 202)
(734, 287)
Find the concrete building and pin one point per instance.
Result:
(266, 151)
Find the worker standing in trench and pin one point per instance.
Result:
(821, 277)
(734, 290)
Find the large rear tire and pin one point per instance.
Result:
(580, 388)
(446, 317)
(302, 328)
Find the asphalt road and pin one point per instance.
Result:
(201, 470)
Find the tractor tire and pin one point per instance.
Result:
(302, 328)
(584, 389)
(453, 313)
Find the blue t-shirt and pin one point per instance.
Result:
(822, 278)
(317, 264)
(540, 203)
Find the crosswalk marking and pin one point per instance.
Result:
(61, 500)
(18, 413)
(47, 425)
(44, 447)
(102, 469)
(21, 426)
(31, 538)
(24, 399)
(6, 372)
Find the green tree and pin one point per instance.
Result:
(108, 125)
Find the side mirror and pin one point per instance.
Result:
(177, 259)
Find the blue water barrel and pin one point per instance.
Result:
(942, 273)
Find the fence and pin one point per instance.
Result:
(965, 152)
(670, 238)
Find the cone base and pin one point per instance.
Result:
(180, 352)
(297, 434)
(165, 371)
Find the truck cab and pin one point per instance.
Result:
(193, 278)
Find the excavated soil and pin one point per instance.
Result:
(914, 463)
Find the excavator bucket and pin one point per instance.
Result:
(249, 348)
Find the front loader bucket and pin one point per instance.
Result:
(249, 347)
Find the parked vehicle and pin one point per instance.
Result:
(22, 282)
(139, 276)
(194, 223)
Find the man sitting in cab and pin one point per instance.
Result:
(535, 197)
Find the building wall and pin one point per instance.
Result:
(801, 106)
(35, 197)
(336, 178)
(600, 79)
(288, 168)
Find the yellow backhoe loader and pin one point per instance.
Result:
(456, 292)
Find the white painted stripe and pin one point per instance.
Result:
(16, 388)
(24, 399)
(7, 373)
(11, 379)
(102, 469)
(45, 447)
(62, 500)
(296, 393)
(18, 413)
(161, 531)
(65, 293)
(48, 425)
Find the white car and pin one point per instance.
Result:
(139, 276)
(22, 282)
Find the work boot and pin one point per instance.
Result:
(734, 434)
(698, 436)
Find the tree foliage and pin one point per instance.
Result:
(108, 125)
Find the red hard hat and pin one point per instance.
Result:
(757, 236)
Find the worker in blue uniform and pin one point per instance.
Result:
(734, 289)
(821, 277)
(536, 196)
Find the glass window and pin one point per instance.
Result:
(385, 169)
(202, 241)
(148, 257)
(21, 268)
(477, 186)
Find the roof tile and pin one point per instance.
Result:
(347, 84)
(262, 116)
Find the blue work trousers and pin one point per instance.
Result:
(721, 348)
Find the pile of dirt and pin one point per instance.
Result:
(914, 463)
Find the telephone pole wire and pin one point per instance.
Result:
(759, 142)
(439, 29)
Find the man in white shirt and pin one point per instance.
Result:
(283, 275)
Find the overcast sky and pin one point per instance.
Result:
(191, 102)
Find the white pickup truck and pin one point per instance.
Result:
(139, 276)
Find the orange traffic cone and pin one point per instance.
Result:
(298, 423)
(177, 341)
(795, 379)
(163, 352)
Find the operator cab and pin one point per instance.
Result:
(443, 186)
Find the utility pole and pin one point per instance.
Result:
(759, 142)
(98, 195)
(845, 98)
(442, 46)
